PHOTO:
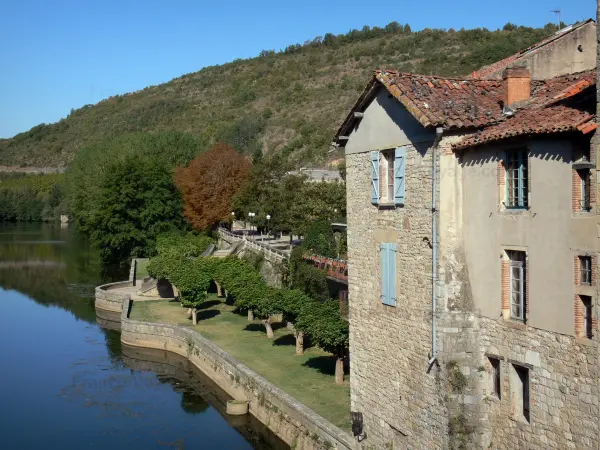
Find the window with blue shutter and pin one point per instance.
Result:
(388, 273)
(399, 175)
(375, 178)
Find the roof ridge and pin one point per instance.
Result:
(436, 77)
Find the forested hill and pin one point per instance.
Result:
(290, 101)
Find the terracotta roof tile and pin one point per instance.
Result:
(554, 108)
(453, 103)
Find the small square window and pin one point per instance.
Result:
(585, 266)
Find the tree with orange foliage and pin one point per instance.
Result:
(209, 183)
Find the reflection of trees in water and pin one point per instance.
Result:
(198, 392)
(112, 340)
(54, 266)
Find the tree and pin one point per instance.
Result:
(209, 183)
(92, 164)
(319, 239)
(328, 330)
(137, 202)
(292, 302)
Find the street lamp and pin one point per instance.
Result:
(232, 219)
(251, 215)
(268, 224)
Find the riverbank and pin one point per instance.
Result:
(296, 424)
(309, 378)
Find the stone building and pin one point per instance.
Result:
(473, 240)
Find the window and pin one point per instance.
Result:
(586, 301)
(516, 179)
(585, 201)
(517, 284)
(585, 267)
(388, 273)
(495, 378)
(387, 181)
(520, 392)
(388, 177)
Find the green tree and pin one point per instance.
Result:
(328, 330)
(137, 202)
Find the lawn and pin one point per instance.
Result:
(308, 378)
(141, 270)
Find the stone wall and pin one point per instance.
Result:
(298, 426)
(401, 401)
(294, 423)
(109, 300)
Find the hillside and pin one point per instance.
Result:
(290, 101)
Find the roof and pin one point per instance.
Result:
(435, 101)
(477, 105)
(562, 104)
(499, 66)
(448, 102)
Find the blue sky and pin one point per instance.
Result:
(61, 54)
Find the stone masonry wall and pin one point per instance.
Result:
(564, 393)
(107, 299)
(402, 404)
(298, 426)
(294, 423)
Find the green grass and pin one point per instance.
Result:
(142, 269)
(308, 378)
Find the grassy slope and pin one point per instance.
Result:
(308, 378)
(295, 101)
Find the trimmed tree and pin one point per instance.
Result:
(328, 330)
(291, 303)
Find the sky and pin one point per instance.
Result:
(56, 55)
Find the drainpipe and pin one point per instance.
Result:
(434, 212)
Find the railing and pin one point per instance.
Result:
(336, 268)
(256, 245)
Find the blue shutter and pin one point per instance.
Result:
(375, 178)
(388, 274)
(399, 175)
(385, 298)
(392, 274)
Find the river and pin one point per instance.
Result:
(67, 383)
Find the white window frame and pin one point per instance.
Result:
(518, 299)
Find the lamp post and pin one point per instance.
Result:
(251, 215)
(268, 225)
(232, 219)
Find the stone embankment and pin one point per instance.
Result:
(298, 426)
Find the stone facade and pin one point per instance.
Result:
(401, 403)
(405, 403)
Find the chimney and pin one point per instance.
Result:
(517, 85)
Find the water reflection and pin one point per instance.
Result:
(198, 391)
(71, 379)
